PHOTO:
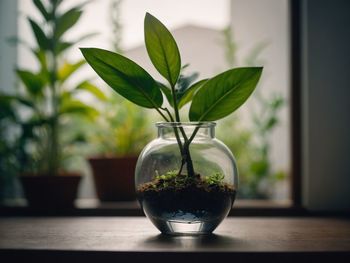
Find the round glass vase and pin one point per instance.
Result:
(186, 179)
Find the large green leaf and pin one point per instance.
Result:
(66, 21)
(34, 83)
(67, 69)
(162, 49)
(125, 77)
(187, 96)
(223, 94)
(39, 34)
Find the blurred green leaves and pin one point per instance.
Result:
(42, 40)
(66, 21)
(50, 94)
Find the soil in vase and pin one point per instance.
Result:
(179, 204)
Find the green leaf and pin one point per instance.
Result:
(40, 36)
(125, 77)
(40, 6)
(67, 69)
(182, 98)
(223, 94)
(189, 93)
(271, 123)
(41, 57)
(34, 83)
(87, 86)
(162, 49)
(66, 21)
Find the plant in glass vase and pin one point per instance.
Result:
(44, 106)
(186, 180)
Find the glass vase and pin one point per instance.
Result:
(186, 179)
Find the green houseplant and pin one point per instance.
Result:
(186, 180)
(44, 106)
(116, 139)
(8, 145)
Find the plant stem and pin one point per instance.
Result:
(176, 132)
(176, 108)
(161, 113)
(194, 134)
(184, 149)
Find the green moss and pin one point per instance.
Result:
(173, 181)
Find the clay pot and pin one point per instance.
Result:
(114, 177)
(51, 192)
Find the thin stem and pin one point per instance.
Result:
(187, 154)
(175, 131)
(161, 113)
(169, 114)
(176, 108)
(184, 149)
(183, 134)
(194, 134)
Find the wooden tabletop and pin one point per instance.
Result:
(94, 239)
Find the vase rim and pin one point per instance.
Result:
(202, 124)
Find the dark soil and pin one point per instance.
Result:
(196, 196)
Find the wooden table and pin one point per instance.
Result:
(134, 239)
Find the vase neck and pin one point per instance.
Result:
(168, 130)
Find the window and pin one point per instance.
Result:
(212, 36)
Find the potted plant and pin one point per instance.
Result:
(8, 145)
(186, 180)
(118, 135)
(117, 138)
(49, 105)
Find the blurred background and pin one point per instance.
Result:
(212, 36)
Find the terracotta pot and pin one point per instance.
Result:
(114, 177)
(51, 192)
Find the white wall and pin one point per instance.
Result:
(326, 104)
(8, 53)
